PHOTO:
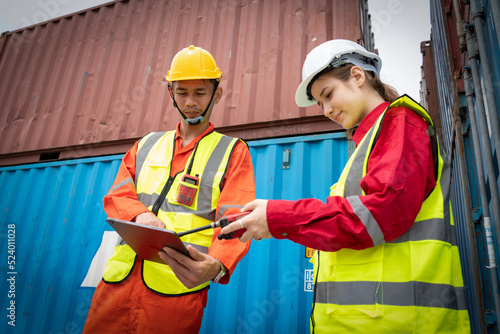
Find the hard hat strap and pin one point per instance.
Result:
(201, 118)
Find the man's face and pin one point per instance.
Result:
(193, 96)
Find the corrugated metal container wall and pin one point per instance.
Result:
(439, 45)
(267, 288)
(98, 76)
(428, 89)
(59, 224)
(490, 173)
(450, 57)
(459, 202)
(51, 217)
(468, 255)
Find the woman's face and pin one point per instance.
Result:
(342, 101)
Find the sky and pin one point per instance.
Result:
(399, 27)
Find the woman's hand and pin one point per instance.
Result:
(255, 222)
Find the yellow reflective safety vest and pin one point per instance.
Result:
(410, 285)
(158, 191)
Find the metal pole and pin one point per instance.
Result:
(483, 129)
(460, 24)
(492, 266)
(477, 14)
(495, 9)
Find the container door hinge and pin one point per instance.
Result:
(286, 158)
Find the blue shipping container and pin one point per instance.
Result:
(52, 225)
(51, 222)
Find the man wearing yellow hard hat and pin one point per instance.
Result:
(179, 180)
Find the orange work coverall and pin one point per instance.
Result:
(130, 306)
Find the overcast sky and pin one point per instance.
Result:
(399, 27)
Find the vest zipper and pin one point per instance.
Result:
(163, 194)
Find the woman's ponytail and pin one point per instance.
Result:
(387, 92)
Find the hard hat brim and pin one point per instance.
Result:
(172, 78)
(301, 97)
(330, 55)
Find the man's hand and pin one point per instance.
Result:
(255, 222)
(191, 272)
(149, 218)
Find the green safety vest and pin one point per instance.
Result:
(412, 284)
(209, 160)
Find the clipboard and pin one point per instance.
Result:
(147, 241)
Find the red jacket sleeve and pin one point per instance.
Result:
(399, 176)
(121, 201)
(238, 188)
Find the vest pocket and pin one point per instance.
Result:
(161, 279)
(120, 264)
(355, 288)
(154, 174)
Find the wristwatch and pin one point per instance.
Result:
(221, 273)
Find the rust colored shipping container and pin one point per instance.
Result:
(428, 89)
(93, 82)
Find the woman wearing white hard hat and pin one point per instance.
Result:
(387, 259)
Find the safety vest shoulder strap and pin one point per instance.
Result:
(146, 144)
(407, 102)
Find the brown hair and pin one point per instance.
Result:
(387, 92)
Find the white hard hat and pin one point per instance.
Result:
(330, 55)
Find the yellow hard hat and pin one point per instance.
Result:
(193, 63)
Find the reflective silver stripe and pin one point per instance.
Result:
(391, 293)
(147, 199)
(150, 199)
(213, 163)
(121, 184)
(210, 214)
(430, 229)
(224, 208)
(367, 219)
(144, 151)
(199, 248)
(167, 207)
(355, 174)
